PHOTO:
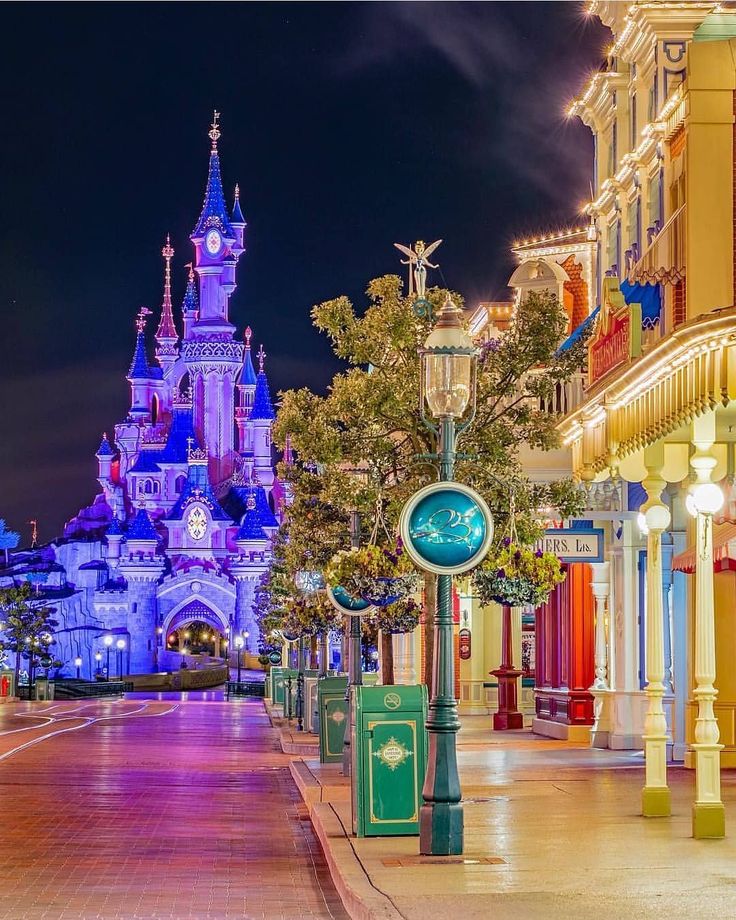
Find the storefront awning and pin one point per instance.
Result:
(724, 552)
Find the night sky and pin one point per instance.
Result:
(348, 126)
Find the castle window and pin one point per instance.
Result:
(179, 484)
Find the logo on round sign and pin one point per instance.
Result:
(392, 700)
(446, 528)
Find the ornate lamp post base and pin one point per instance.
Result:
(709, 820)
(441, 822)
(656, 802)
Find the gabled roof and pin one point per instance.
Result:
(146, 462)
(198, 488)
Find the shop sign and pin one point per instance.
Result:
(446, 528)
(617, 338)
(464, 643)
(570, 545)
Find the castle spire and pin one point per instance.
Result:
(190, 304)
(139, 365)
(262, 405)
(248, 374)
(237, 218)
(214, 210)
(166, 334)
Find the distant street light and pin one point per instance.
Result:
(120, 644)
(239, 643)
(78, 666)
(107, 640)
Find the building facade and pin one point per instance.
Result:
(179, 533)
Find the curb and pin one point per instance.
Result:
(360, 899)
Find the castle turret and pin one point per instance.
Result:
(246, 392)
(166, 334)
(190, 304)
(104, 455)
(142, 567)
(139, 374)
(212, 357)
(238, 224)
(262, 416)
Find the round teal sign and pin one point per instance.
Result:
(447, 528)
(346, 603)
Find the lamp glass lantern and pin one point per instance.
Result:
(108, 640)
(449, 365)
(120, 644)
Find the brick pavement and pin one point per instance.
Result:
(154, 810)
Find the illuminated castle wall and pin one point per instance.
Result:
(181, 528)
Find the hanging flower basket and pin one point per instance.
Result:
(381, 576)
(517, 576)
(400, 617)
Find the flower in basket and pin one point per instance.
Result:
(518, 576)
(400, 617)
(380, 575)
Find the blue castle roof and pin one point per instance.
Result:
(139, 365)
(181, 430)
(146, 462)
(114, 528)
(214, 210)
(104, 450)
(248, 373)
(198, 487)
(251, 527)
(141, 527)
(262, 405)
(239, 498)
(190, 304)
(237, 216)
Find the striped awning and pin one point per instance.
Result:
(724, 552)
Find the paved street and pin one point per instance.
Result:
(153, 809)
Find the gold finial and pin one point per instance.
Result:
(140, 320)
(168, 251)
(247, 336)
(261, 358)
(237, 192)
(191, 270)
(214, 131)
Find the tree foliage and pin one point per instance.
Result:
(26, 624)
(365, 439)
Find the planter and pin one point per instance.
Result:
(382, 591)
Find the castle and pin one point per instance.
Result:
(180, 532)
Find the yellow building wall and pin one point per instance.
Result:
(725, 682)
(709, 167)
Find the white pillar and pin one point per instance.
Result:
(655, 794)
(601, 586)
(709, 819)
(404, 663)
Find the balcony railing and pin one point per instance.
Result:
(567, 396)
(663, 261)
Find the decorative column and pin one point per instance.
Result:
(600, 688)
(508, 715)
(709, 819)
(404, 664)
(655, 798)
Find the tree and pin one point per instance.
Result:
(370, 419)
(9, 539)
(27, 626)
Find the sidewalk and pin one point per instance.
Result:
(552, 831)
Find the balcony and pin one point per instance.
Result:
(663, 261)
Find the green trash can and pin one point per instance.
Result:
(277, 685)
(389, 751)
(333, 712)
(294, 674)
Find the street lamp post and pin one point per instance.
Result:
(239, 642)
(78, 666)
(355, 668)
(98, 663)
(300, 687)
(447, 385)
(120, 645)
(107, 640)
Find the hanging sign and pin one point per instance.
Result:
(464, 643)
(617, 337)
(347, 604)
(446, 528)
(570, 545)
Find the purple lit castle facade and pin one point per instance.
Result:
(181, 531)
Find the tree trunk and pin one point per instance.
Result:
(387, 658)
(313, 653)
(430, 607)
